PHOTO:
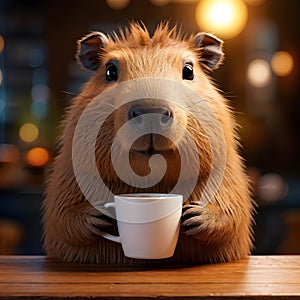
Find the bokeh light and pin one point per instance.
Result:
(1, 43)
(226, 18)
(282, 63)
(28, 132)
(271, 188)
(40, 91)
(259, 73)
(118, 4)
(38, 157)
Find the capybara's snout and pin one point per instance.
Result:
(139, 114)
(157, 125)
(152, 123)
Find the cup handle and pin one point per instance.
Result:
(108, 236)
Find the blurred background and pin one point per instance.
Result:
(260, 77)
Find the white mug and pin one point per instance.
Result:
(148, 224)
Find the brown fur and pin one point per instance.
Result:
(221, 231)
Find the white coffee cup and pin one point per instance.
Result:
(148, 224)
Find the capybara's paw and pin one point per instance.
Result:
(89, 223)
(84, 224)
(205, 223)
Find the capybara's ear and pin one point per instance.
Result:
(89, 49)
(209, 48)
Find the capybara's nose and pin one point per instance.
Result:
(163, 115)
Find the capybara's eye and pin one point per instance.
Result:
(187, 72)
(111, 72)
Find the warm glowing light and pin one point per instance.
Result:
(37, 157)
(118, 4)
(1, 43)
(28, 132)
(9, 153)
(221, 14)
(282, 63)
(226, 18)
(259, 73)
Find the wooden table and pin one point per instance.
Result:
(257, 277)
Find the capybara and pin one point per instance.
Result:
(220, 230)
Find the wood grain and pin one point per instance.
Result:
(257, 277)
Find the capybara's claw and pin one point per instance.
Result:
(191, 219)
(188, 211)
(100, 221)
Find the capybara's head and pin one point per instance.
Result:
(166, 55)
